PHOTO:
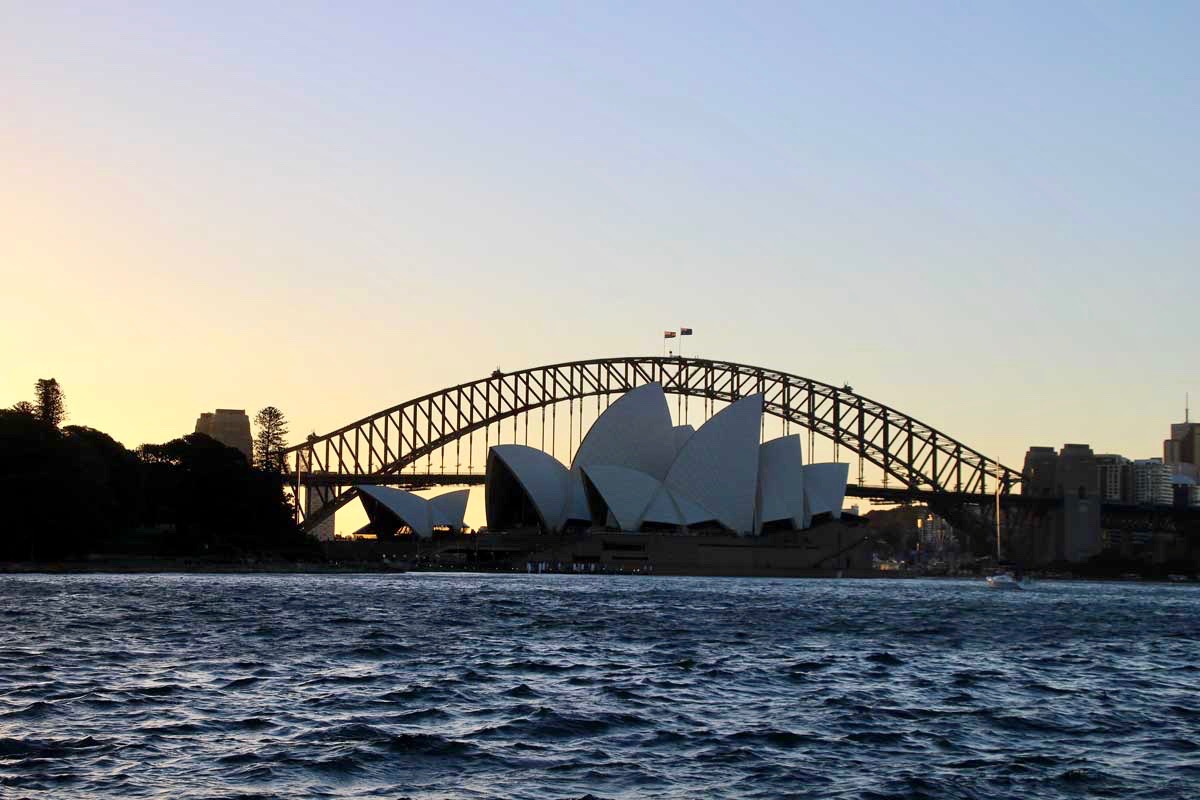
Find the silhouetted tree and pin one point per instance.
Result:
(104, 487)
(25, 407)
(76, 491)
(215, 502)
(48, 401)
(32, 467)
(271, 439)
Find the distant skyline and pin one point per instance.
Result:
(981, 215)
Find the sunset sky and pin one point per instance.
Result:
(985, 215)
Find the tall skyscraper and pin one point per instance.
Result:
(230, 427)
(1182, 450)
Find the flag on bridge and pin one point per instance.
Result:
(668, 334)
(685, 331)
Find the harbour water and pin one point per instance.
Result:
(526, 686)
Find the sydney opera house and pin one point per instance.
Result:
(644, 492)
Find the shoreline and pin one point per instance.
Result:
(172, 567)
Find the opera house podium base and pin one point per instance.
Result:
(827, 549)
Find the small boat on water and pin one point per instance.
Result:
(1003, 580)
(1006, 579)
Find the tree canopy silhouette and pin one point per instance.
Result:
(77, 491)
(271, 439)
(48, 402)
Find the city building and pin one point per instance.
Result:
(1076, 475)
(1072, 531)
(1079, 488)
(230, 427)
(935, 534)
(1185, 491)
(1152, 482)
(1182, 450)
(1115, 478)
(1040, 472)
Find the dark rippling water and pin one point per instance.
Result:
(430, 686)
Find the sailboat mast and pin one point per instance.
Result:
(997, 512)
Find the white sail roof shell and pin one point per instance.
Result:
(718, 465)
(543, 477)
(627, 492)
(781, 482)
(450, 508)
(825, 488)
(633, 432)
(415, 512)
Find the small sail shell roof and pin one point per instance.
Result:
(418, 513)
(450, 508)
(825, 488)
(781, 482)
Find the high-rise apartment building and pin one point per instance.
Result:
(229, 426)
(1115, 478)
(1152, 482)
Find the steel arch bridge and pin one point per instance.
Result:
(373, 449)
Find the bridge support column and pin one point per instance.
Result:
(314, 499)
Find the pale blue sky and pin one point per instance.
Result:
(983, 214)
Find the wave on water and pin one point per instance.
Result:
(551, 687)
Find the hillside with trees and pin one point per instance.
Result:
(73, 492)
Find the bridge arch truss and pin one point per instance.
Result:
(915, 455)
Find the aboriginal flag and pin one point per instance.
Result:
(668, 334)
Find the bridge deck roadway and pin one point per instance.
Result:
(423, 480)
